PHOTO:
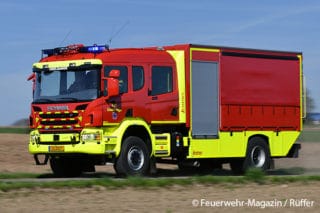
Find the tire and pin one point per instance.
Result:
(65, 167)
(134, 159)
(257, 156)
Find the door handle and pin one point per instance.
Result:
(154, 98)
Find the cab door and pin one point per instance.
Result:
(115, 109)
(162, 93)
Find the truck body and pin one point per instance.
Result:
(182, 103)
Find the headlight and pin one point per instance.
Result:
(91, 137)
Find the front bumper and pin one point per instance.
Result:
(89, 141)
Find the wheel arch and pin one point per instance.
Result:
(141, 132)
(264, 137)
(133, 127)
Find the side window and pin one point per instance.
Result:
(161, 80)
(137, 77)
(123, 80)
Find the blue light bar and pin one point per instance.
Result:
(76, 48)
(94, 49)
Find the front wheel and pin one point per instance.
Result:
(134, 157)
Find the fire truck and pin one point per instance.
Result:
(187, 104)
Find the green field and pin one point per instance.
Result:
(252, 176)
(310, 135)
(15, 130)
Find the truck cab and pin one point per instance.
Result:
(82, 94)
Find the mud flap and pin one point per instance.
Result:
(294, 151)
(44, 162)
(153, 167)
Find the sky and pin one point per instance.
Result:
(27, 27)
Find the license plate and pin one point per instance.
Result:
(56, 148)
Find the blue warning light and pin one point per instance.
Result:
(94, 48)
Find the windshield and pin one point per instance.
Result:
(66, 86)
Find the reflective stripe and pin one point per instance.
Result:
(61, 65)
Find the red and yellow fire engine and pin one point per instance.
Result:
(208, 105)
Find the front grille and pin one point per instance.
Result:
(59, 115)
(54, 120)
(58, 122)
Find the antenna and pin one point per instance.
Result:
(65, 38)
(117, 32)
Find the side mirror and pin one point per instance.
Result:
(114, 74)
(113, 83)
(32, 78)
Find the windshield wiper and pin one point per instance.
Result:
(43, 100)
(69, 99)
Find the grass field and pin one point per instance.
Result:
(252, 176)
(15, 130)
(310, 135)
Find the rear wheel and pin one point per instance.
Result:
(134, 157)
(258, 156)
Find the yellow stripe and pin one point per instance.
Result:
(163, 122)
(179, 58)
(65, 64)
(302, 94)
(203, 50)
